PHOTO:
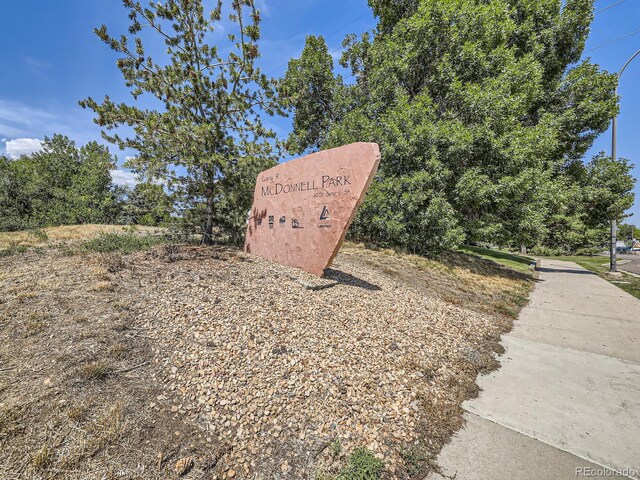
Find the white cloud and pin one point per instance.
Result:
(16, 119)
(122, 177)
(36, 65)
(22, 146)
(19, 120)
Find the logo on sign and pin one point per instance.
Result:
(295, 223)
(271, 221)
(325, 213)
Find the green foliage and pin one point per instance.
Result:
(147, 204)
(594, 193)
(608, 189)
(121, 242)
(481, 111)
(410, 212)
(308, 88)
(59, 185)
(205, 140)
(628, 231)
(362, 465)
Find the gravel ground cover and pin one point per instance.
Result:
(189, 362)
(279, 372)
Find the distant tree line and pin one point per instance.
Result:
(66, 185)
(482, 108)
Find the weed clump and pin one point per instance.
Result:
(362, 465)
(42, 458)
(98, 370)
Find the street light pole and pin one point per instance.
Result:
(613, 267)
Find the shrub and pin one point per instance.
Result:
(589, 251)
(123, 243)
(545, 251)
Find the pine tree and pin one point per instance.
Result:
(204, 139)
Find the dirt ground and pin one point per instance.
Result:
(185, 362)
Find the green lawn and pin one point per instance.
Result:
(511, 260)
(596, 264)
(600, 265)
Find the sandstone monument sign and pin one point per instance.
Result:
(302, 208)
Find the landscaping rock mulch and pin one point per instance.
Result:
(285, 377)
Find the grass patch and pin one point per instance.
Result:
(600, 266)
(39, 234)
(336, 448)
(106, 429)
(35, 326)
(64, 233)
(511, 260)
(12, 250)
(417, 462)
(22, 296)
(362, 465)
(121, 242)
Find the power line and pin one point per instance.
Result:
(345, 26)
(608, 7)
(613, 41)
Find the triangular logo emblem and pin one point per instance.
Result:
(325, 213)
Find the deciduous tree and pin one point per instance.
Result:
(488, 94)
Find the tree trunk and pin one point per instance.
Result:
(207, 236)
(523, 249)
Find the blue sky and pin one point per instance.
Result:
(51, 59)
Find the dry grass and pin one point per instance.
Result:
(103, 286)
(35, 323)
(42, 458)
(71, 406)
(96, 370)
(457, 278)
(26, 295)
(65, 233)
(80, 412)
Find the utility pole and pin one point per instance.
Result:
(613, 267)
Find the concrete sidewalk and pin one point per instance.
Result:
(566, 401)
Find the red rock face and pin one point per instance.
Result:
(302, 208)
